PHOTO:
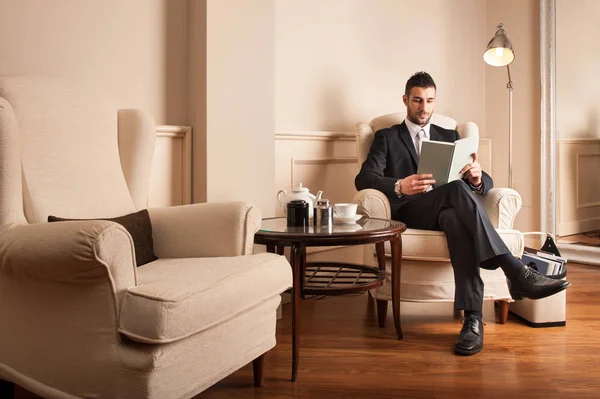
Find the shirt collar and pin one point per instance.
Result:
(414, 129)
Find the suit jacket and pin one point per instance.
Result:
(393, 156)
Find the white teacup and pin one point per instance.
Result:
(345, 210)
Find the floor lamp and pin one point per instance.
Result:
(500, 53)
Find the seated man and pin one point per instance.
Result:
(391, 168)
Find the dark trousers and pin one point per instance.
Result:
(472, 239)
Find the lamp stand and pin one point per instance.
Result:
(509, 86)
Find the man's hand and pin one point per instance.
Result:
(472, 172)
(416, 184)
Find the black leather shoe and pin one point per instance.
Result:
(470, 339)
(533, 285)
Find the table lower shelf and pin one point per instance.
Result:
(332, 278)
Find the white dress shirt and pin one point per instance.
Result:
(414, 131)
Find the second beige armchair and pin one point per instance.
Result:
(78, 319)
(427, 274)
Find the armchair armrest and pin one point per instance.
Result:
(373, 203)
(76, 252)
(204, 230)
(502, 206)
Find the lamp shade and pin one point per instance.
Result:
(499, 50)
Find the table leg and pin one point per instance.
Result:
(302, 254)
(382, 304)
(396, 266)
(296, 256)
(280, 249)
(271, 248)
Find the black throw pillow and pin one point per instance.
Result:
(139, 226)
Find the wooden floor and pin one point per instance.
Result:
(345, 355)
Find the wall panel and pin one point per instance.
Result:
(578, 188)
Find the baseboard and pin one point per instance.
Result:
(576, 253)
(538, 325)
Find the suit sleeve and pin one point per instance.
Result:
(486, 179)
(371, 173)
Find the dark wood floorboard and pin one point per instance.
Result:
(344, 354)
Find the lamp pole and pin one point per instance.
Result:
(499, 52)
(509, 86)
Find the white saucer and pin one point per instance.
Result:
(350, 220)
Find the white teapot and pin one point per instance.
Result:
(298, 193)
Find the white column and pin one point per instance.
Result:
(548, 116)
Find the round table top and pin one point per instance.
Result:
(277, 228)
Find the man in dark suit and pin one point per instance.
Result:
(391, 167)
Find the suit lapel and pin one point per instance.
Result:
(434, 135)
(408, 142)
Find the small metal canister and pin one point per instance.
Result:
(323, 216)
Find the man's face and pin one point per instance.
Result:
(419, 105)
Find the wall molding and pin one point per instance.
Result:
(327, 135)
(578, 226)
(318, 162)
(577, 213)
(183, 133)
(324, 161)
(579, 181)
(314, 135)
(580, 140)
(485, 146)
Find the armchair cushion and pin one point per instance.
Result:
(139, 227)
(176, 298)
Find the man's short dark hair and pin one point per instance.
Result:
(419, 79)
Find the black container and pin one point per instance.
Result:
(297, 213)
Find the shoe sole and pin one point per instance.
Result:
(464, 352)
(518, 295)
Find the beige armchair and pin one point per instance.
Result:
(427, 274)
(77, 317)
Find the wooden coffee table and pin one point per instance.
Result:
(331, 278)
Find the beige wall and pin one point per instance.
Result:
(320, 161)
(134, 50)
(339, 62)
(577, 68)
(521, 22)
(240, 112)
(196, 93)
(170, 177)
(143, 53)
(240, 71)
(578, 115)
